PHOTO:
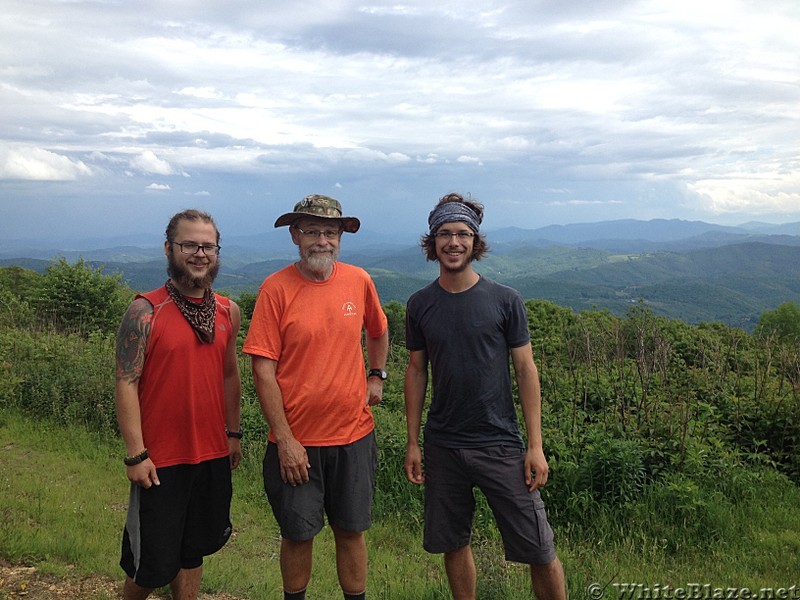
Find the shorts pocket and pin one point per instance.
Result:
(543, 526)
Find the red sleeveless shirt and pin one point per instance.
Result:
(181, 391)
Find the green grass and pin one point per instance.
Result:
(63, 496)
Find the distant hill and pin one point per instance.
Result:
(688, 270)
(656, 230)
(733, 284)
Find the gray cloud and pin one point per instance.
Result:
(644, 108)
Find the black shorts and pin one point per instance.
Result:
(498, 471)
(341, 484)
(172, 526)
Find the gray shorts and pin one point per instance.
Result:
(341, 485)
(498, 471)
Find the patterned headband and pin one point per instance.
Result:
(453, 212)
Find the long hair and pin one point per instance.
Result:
(479, 244)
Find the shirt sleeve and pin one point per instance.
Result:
(375, 319)
(415, 340)
(264, 336)
(517, 332)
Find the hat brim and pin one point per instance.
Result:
(349, 224)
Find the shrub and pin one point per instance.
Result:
(79, 298)
(65, 377)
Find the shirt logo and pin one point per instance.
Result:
(349, 310)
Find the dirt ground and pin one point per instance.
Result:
(18, 581)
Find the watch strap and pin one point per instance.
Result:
(378, 373)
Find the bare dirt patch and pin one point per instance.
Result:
(20, 581)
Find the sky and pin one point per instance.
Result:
(116, 114)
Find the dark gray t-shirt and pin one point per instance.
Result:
(468, 337)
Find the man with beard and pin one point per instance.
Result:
(178, 406)
(308, 366)
(467, 326)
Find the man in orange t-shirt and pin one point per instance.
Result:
(305, 341)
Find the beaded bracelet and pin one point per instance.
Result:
(235, 434)
(135, 460)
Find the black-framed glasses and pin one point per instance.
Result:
(194, 248)
(328, 234)
(462, 236)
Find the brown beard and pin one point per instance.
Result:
(184, 278)
(459, 269)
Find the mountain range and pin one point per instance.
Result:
(690, 270)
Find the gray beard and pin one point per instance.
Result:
(319, 262)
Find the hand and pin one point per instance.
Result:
(234, 452)
(293, 460)
(143, 474)
(536, 469)
(413, 465)
(374, 390)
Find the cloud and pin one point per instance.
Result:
(158, 187)
(669, 108)
(579, 202)
(148, 162)
(28, 163)
(761, 193)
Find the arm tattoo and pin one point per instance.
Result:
(132, 340)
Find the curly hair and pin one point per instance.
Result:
(479, 245)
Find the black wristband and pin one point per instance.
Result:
(135, 460)
(235, 434)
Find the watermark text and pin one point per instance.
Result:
(689, 591)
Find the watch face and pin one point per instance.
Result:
(378, 373)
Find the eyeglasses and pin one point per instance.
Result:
(328, 234)
(463, 236)
(192, 248)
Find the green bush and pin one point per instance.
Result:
(76, 297)
(65, 377)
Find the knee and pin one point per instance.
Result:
(344, 535)
(547, 569)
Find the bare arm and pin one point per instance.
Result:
(530, 398)
(130, 353)
(416, 384)
(291, 453)
(233, 389)
(377, 352)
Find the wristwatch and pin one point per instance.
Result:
(378, 373)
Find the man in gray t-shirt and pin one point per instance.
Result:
(467, 327)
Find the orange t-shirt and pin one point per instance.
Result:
(313, 330)
(182, 392)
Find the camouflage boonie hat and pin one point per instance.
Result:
(317, 205)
